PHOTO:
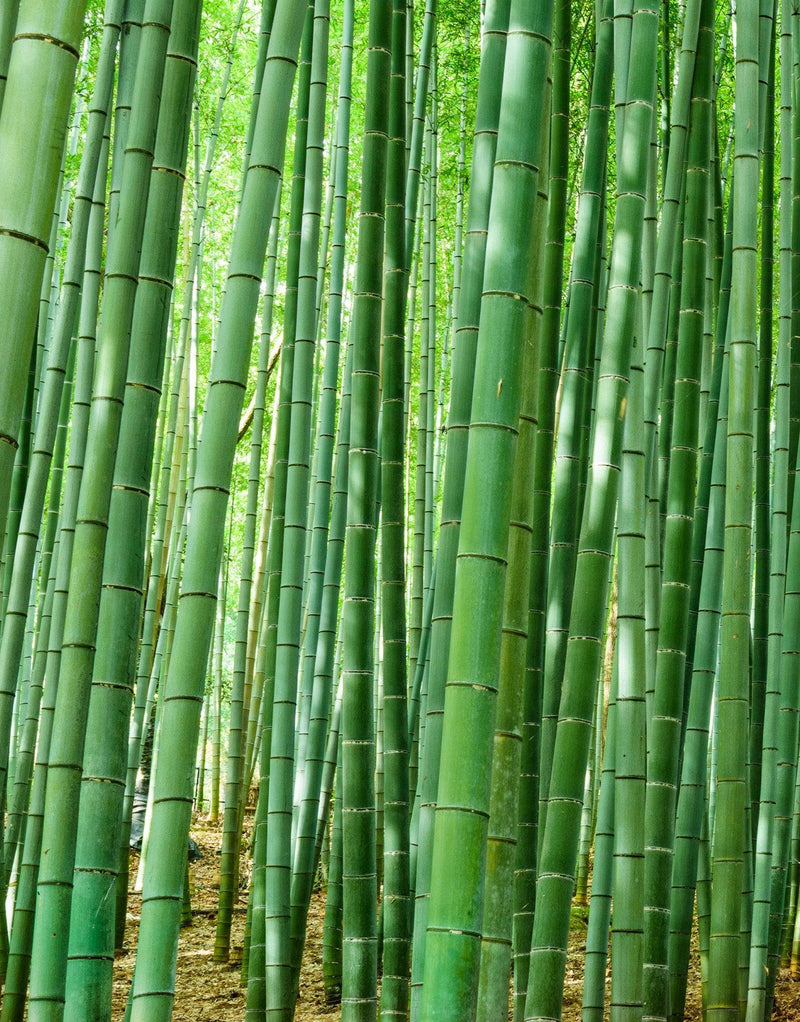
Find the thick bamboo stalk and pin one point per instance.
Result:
(48, 965)
(484, 145)
(510, 290)
(35, 106)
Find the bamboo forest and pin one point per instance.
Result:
(399, 552)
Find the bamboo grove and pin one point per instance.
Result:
(399, 428)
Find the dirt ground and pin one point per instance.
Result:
(212, 993)
(206, 991)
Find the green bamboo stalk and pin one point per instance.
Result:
(525, 879)
(56, 256)
(48, 966)
(668, 382)
(14, 966)
(410, 334)
(430, 383)
(36, 102)
(273, 876)
(415, 132)
(102, 789)
(19, 475)
(670, 217)
(359, 864)
(691, 806)
(561, 830)
(151, 994)
(416, 716)
(328, 654)
(569, 467)
(396, 907)
(18, 796)
(764, 743)
(484, 144)
(22, 927)
(761, 521)
(258, 618)
(280, 965)
(254, 678)
(627, 937)
(783, 852)
(237, 733)
(734, 672)
(590, 790)
(326, 542)
(378, 782)
(598, 925)
(310, 748)
(452, 945)
(332, 928)
(256, 979)
(171, 492)
(215, 695)
(265, 675)
(235, 784)
(549, 375)
(794, 409)
(130, 38)
(497, 924)
(790, 894)
(761, 965)
(202, 763)
(323, 843)
(420, 427)
(8, 20)
(665, 725)
(717, 314)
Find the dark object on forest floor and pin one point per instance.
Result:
(137, 832)
(140, 797)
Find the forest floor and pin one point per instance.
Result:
(210, 992)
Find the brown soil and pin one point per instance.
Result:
(205, 990)
(212, 992)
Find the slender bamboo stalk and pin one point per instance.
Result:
(561, 831)
(396, 905)
(327, 538)
(280, 967)
(359, 865)
(734, 671)
(162, 895)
